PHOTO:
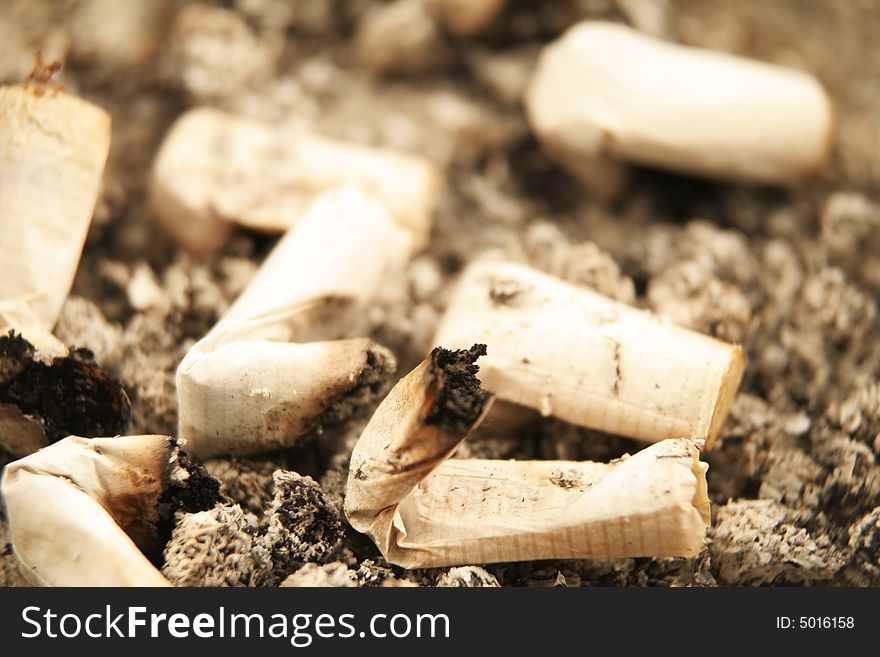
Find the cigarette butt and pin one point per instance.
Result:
(214, 170)
(418, 425)
(569, 352)
(606, 91)
(53, 147)
(256, 396)
(80, 511)
(275, 366)
(423, 511)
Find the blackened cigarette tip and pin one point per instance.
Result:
(69, 395)
(460, 399)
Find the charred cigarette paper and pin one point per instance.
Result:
(604, 94)
(82, 511)
(53, 147)
(215, 170)
(44, 399)
(419, 424)
(275, 367)
(569, 352)
(423, 510)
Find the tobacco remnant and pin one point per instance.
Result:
(69, 395)
(460, 398)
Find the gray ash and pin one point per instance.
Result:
(303, 527)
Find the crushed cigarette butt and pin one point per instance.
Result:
(423, 510)
(101, 506)
(419, 424)
(282, 336)
(569, 352)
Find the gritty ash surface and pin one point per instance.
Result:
(791, 274)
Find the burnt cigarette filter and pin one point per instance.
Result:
(574, 354)
(280, 363)
(604, 94)
(53, 147)
(215, 170)
(82, 512)
(423, 510)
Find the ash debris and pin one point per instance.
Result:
(219, 547)
(763, 542)
(247, 481)
(196, 491)
(335, 575)
(378, 574)
(863, 566)
(70, 395)
(466, 577)
(303, 528)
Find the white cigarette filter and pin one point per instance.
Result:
(52, 153)
(603, 94)
(574, 354)
(215, 170)
(423, 510)
(276, 366)
(81, 510)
